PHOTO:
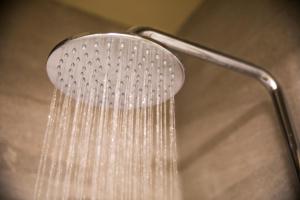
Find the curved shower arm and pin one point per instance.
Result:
(240, 66)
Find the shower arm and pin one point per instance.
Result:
(231, 63)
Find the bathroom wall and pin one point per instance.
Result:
(230, 143)
(29, 31)
(154, 13)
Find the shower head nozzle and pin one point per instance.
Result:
(115, 63)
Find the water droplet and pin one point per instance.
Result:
(147, 51)
(135, 48)
(98, 60)
(157, 56)
(86, 55)
(89, 63)
(84, 47)
(66, 55)
(97, 52)
(72, 64)
(77, 59)
(61, 61)
(108, 44)
(59, 73)
(139, 65)
(165, 62)
(96, 44)
(58, 66)
(74, 50)
(70, 70)
(122, 45)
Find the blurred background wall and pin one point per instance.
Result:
(230, 144)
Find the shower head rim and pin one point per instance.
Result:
(158, 45)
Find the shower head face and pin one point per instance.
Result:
(115, 65)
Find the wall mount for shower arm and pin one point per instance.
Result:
(240, 66)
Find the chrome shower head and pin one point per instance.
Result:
(117, 62)
(86, 62)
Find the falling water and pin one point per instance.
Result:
(110, 133)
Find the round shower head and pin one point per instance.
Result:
(113, 64)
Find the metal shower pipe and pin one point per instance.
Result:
(240, 66)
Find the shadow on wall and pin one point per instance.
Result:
(253, 112)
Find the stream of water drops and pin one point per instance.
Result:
(106, 142)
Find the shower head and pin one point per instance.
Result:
(139, 63)
(115, 63)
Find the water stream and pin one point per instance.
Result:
(118, 149)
